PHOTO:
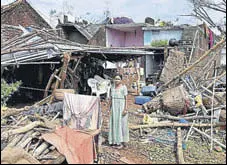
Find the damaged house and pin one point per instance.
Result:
(56, 64)
(40, 55)
(77, 32)
(22, 13)
(157, 39)
(17, 19)
(19, 13)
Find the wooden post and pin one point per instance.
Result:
(64, 69)
(212, 111)
(62, 75)
(180, 156)
(49, 83)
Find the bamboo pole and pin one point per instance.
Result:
(32, 63)
(193, 46)
(43, 53)
(214, 140)
(176, 124)
(215, 96)
(212, 105)
(217, 108)
(25, 49)
(189, 132)
(180, 156)
(223, 74)
(194, 64)
(174, 117)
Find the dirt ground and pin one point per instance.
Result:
(140, 151)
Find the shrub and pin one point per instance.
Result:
(159, 43)
(7, 90)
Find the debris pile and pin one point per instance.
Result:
(196, 106)
(22, 129)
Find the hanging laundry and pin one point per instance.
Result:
(82, 111)
(211, 39)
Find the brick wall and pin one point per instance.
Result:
(23, 14)
(99, 38)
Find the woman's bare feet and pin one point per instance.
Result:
(125, 145)
(118, 146)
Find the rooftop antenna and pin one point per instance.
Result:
(107, 10)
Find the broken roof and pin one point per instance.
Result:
(88, 31)
(42, 45)
(5, 8)
(93, 28)
(20, 12)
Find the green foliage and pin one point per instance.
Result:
(159, 43)
(164, 23)
(7, 90)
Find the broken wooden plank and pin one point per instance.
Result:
(15, 140)
(26, 128)
(59, 160)
(40, 149)
(13, 111)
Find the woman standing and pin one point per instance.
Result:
(119, 132)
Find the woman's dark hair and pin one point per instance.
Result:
(118, 75)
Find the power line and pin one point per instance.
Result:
(34, 89)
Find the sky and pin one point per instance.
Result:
(138, 10)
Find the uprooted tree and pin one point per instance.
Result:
(202, 10)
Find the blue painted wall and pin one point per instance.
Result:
(150, 36)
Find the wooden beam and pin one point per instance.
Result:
(49, 82)
(176, 124)
(64, 69)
